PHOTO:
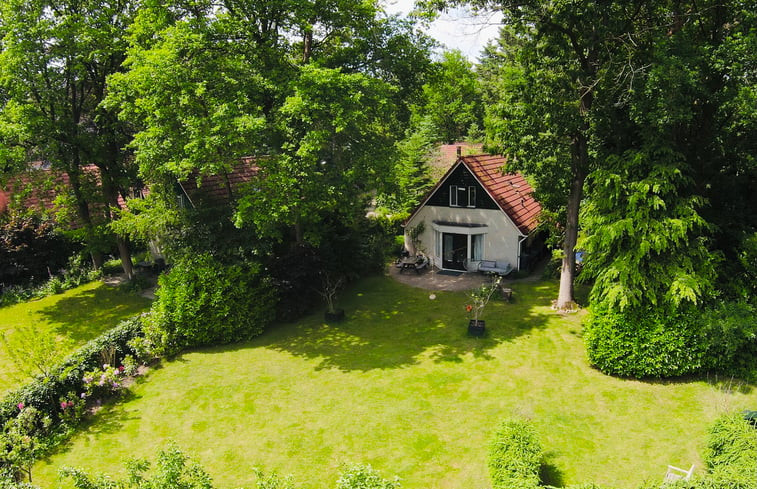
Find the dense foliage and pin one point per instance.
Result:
(30, 247)
(515, 456)
(202, 301)
(642, 343)
(731, 454)
(54, 63)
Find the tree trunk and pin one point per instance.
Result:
(125, 254)
(111, 198)
(82, 208)
(307, 46)
(565, 297)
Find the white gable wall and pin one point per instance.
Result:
(500, 242)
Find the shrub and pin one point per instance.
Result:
(731, 453)
(659, 343)
(358, 476)
(203, 302)
(30, 247)
(68, 376)
(730, 333)
(643, 343)
(515, 456)
(172, 470)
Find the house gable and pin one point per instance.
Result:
(462, 181)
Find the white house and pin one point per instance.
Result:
(477, 212)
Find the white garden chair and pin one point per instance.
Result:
(677, 474)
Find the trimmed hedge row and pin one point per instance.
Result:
(515, 456)
(44, 394)
(658, 343)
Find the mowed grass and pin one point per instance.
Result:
(77, 315)
(399, 385)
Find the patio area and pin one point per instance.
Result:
(434, 279)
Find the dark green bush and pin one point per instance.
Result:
(659, 343)
(204, 302)
(515, 456)
(643, 343)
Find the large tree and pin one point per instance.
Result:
(312, 86)
(55, 59)
(558, 67)
(452, 102)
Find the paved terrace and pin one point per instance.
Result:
(433, 280)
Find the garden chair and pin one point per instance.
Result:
(676, 474)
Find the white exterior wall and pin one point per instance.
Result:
(501, 235)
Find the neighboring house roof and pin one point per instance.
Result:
(40, 185)
(219, 189)
(446, 155)
(511, 192)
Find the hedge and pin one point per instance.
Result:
(202, 301)
(45, 393)
(515, 456)
(731, 454)
(649, 342)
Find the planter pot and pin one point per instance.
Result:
(335, 317)
(476, 327)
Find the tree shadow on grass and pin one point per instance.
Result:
(727, 384)
(87, 313)
(390, 325)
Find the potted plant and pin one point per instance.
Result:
(329, 287)
(479, 298)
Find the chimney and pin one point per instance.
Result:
(459, 151)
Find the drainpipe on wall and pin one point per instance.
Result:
(520, 242)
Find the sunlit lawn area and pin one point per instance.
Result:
(399, 385)
(78, 315)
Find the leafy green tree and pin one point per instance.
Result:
(452, 98)
(551, 76)
(644, 236)
(337, 146)
(35, 351)
(22, 440)
(54, 63)
(313, 86)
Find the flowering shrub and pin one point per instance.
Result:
(105, 382)
(72, 408)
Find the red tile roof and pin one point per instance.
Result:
(511, 191)
(41, 185)
(212, 189)
(446, 155)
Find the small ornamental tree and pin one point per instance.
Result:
(480, 297)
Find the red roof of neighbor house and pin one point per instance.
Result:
(510, 190)
(212, 189)
(40, 185)
(446, 155)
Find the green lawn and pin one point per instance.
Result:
(78, 315)
(399, 385)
